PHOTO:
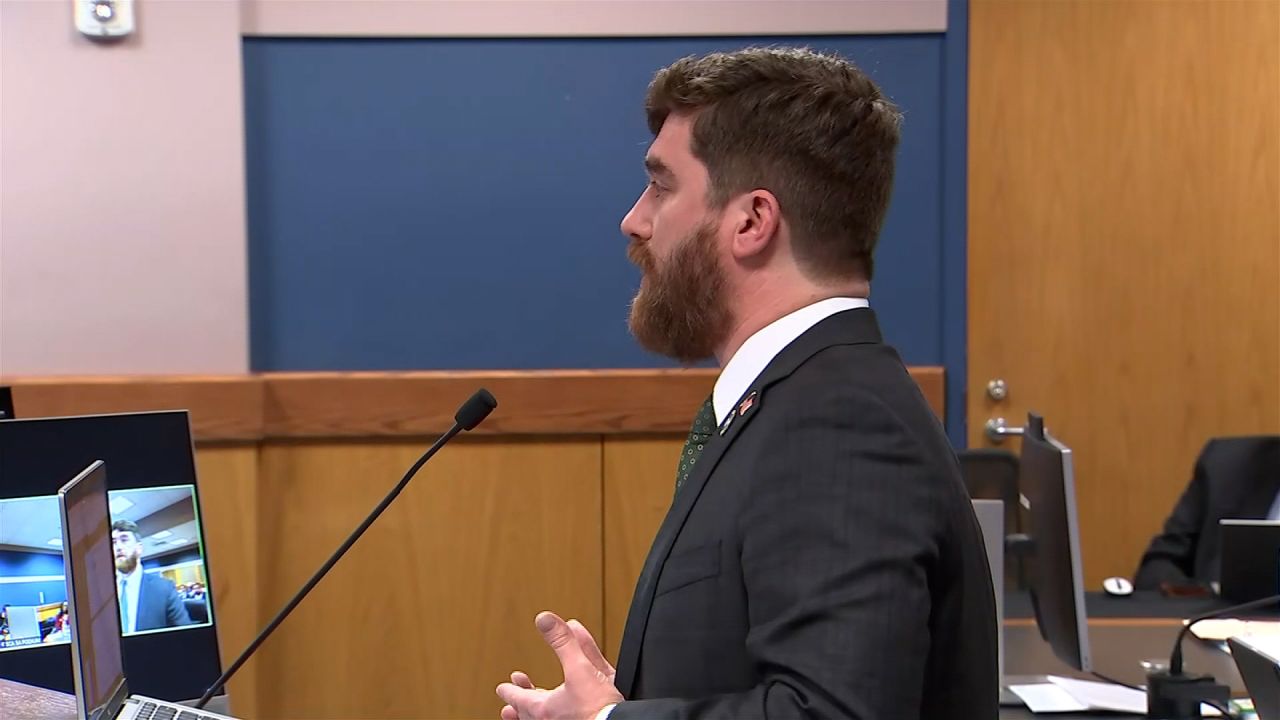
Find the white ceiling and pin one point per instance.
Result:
(33, 522)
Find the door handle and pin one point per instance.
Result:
(997, 430)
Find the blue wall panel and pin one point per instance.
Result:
(954, 279)
(163, 561)
(33, 593)
(18, 564)
(455, 203)
(14, 563)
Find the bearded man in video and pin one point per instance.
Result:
(148, 601)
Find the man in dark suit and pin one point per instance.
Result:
(820, 558)
(148, 601)
(1235, 477)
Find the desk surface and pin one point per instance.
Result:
(1140, 605)
(24, 702)
(1117, 647)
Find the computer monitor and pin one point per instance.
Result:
(170, 642)
(1250, 564)
(1047, 482)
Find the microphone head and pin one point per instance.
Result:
(475, 409)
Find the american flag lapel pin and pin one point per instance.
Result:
(744, 407)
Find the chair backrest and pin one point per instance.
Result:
(992, 474)
(197, 610)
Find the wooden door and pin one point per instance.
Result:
(1124, 241)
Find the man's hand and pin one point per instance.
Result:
(588, 678)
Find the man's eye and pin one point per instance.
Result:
(655, 187)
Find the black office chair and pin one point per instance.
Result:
(992, 474)
(197, 610)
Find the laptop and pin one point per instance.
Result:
(1261, 674)
(1250, 567)
(102, 692)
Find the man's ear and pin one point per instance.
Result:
(756, 218)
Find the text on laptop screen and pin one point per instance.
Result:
(157, 549)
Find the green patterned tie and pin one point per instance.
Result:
(704, 426)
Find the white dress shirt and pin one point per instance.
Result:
(761, 348)
(128, 595)
(755, 355)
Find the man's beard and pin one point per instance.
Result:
(681, 310)
(127, 565)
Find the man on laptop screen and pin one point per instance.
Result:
(101, 689)
(148, 601)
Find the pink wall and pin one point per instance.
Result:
(122, 196)
(603, 18)
(122, 215)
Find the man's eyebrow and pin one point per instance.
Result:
(657, 167)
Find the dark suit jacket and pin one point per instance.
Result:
(1235, 477)
(822, 560)
(159, 605)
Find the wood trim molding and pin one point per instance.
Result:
(223, 407)
(373, 404)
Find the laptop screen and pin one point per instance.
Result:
(170, 644)
(95, 613)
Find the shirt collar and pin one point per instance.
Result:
(134, 576)
(761, 348)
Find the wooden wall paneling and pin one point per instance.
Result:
(1124, 241)
(551, 504)
(228, 479)
(434, 606)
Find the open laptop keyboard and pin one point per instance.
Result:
(151, 711)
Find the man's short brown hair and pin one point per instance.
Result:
(125, 526)
(811, 128)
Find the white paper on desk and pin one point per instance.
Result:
(1062, 694)
(1104, 696)
(1047, 698)
(1222, 629)
(1268, 645)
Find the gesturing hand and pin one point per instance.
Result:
(588, 678)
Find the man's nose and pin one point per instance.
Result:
(635, 226)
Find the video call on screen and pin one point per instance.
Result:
(163, 558)
(170, 643)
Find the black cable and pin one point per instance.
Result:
(1175, 658)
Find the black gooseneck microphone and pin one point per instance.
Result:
(472, 412)
(1174, 695)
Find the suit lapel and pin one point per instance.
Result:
(849, 327)
(642, 600)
